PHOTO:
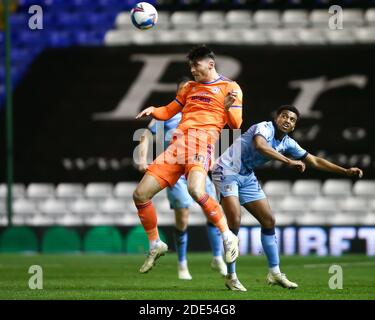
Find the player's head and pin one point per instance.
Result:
(286, 118)
(181, 82)
(202, 62)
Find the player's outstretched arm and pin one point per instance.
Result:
(161, 113)
(262, 147)
(325, 165)
(234, 115)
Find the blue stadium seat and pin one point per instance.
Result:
(100, 21)
(29, 38)
(19, 20)
(55, 3)
(19, 55)
(132, 3)
(88, 38)
(2, 38)
(27, 3)
(82, 4)
(15, 73)
(69, 20)
(118, 4)
(59, 39)
(2, 74)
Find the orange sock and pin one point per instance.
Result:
(213, 212)
(147, 215)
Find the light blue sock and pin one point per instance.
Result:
(269, 244)
(181, 241)
(214, 237)
(231, 267)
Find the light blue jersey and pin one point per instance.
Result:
(178, 195)
(233, 173)
(165, 128)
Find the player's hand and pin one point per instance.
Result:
(354, 172)
(142, 166)
(299, 165)
(146, 112)
(229, 99)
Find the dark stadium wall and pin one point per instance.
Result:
(74, 111)
(292, 240)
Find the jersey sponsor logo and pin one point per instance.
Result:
(215, 90)
(200, 98)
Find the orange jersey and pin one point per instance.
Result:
(203, 104)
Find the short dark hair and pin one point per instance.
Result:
(200, 52)
(289, 108)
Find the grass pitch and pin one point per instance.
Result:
(117, 277)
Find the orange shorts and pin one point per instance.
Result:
(186, 152)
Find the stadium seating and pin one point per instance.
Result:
(93, 23)
(212, 20)
(71, 219)
(238, 19)
(69, 191)
(293, 205)
(311, 36)
(303, 202)
(113, 208)
(55, 209)
(124, 190)
(364, 188)
(365, 35)
(323, 206)
(98, 191)
(3, 214)
(277, 189)
(295, 19)
(310, 218)
(370, 17)
(18, 191)
(184, 20)
(24, 210)
(84, 208)
(303, 26)
(306, 188)
(337, 188)
(267, 19)
(40, 191)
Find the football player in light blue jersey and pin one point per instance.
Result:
(234, 178)
(180, 200)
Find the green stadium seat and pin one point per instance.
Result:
(136, 241)
(102, 240)
(61, 240)
(18, 239)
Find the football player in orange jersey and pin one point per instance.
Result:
(207, 105)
